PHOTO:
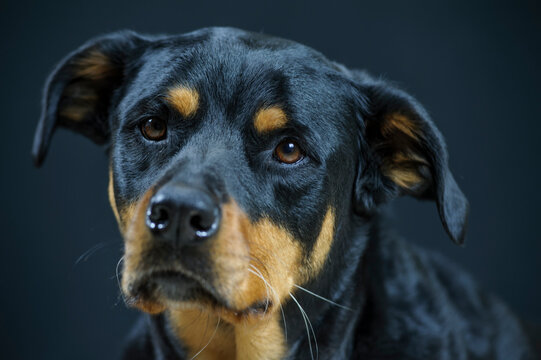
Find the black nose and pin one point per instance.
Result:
(183, 215)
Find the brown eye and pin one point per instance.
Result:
(288, 152)
(154, 129)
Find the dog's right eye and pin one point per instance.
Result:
(154, 129)
(288, 152)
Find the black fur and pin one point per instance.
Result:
(405, 303)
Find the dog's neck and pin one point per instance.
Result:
(209, 337)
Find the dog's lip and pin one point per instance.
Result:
(179, 279)
(203, 291)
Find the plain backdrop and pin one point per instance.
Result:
(473, 64)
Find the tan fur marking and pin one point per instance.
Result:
(184, 100)
(247, 341)
(137, 240)
(196, 328)
(277, 255)
(268, 119)
(404, 177)
(403, 169)
(75, 112)
(260, 341)
(95, 65)
(408, 157)
(322, 246)
(126, 216)
(230, 251)
(111, 193)
(398, 122)
(243, 251)
(265, 248)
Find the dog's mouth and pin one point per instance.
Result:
(158, 290)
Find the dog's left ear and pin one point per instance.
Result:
(404, 153)
(78, 92)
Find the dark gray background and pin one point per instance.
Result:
(475, 65)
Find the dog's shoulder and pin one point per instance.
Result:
(419, 302)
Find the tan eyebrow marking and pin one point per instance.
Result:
(270, 118)
(185, 100)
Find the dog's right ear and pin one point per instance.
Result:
(403, 153)
(78, 92)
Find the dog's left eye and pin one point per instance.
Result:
(288, 152)
(154, 129)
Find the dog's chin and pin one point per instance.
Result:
(159, 291)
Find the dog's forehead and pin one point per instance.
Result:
(230, 68)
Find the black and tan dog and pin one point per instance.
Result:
(246, 173)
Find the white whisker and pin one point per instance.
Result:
(211, 338)
(307, 323)
(322, 298)
(87, 254)
(267, 285)
(285, 323)
(260, 275)
(118, 279)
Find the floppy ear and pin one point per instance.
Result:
(404, 153)
(78, 92)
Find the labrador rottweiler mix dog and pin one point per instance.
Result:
(247, 175)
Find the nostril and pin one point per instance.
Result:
(205, 223)
(158, 217)
(196, 222)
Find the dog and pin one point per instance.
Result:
(247, 174)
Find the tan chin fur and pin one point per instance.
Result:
(223, 340)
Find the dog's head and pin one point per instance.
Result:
(237, 160)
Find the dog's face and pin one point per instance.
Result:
(238, 161)
(222, 157)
